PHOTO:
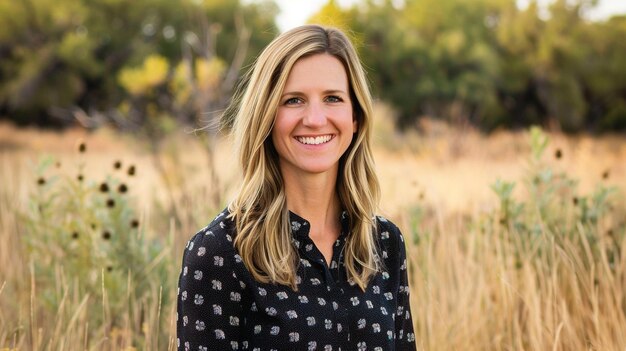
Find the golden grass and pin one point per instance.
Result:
(470, 294)
(472, 289)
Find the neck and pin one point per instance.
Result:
(314, 197)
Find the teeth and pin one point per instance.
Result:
(314, 140)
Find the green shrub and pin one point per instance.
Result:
(553, 206)
(84, 238)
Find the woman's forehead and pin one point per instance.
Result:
(315, 71)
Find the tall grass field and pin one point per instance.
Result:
(516, 240)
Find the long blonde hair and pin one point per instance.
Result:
(263, 238)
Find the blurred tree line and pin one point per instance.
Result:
(159, 63)
(492, 64)
(140, 63)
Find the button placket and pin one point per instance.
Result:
(339, 298)
(335, 292)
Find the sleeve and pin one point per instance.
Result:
(209, 295)
(405, 335)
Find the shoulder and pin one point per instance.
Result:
(216, 237)
(387, 231)
(390, 239)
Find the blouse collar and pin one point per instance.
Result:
(300, 227)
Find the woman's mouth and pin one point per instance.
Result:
(317, 140)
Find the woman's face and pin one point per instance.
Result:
(314, 122)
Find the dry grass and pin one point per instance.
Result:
(471, 293)
(474, 288)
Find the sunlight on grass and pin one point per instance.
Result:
(515, 241)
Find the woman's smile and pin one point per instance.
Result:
(314, 140)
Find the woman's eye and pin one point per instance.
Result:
(333, 98)
(293, 101)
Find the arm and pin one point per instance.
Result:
(209, 309)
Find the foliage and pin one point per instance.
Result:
(139, 81)
(545, 270)
(486, 62)
(554, 205)
(491, 63)
(62, 56)
(84, 239)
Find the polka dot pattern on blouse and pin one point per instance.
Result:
(221, 306)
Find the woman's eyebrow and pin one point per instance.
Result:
(334, 91)
(297, 93)
(325, 92)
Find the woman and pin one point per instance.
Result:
(298, 261)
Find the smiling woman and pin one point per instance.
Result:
(298, 260)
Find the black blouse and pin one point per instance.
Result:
(221, 306)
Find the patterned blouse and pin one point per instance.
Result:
(221, 306)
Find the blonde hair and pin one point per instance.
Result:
(264, 239)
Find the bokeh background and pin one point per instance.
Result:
(499, 138)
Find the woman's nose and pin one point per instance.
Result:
(315, 115)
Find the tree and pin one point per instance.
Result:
(63, 56)
(491, 63)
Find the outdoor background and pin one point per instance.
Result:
(499, 138)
